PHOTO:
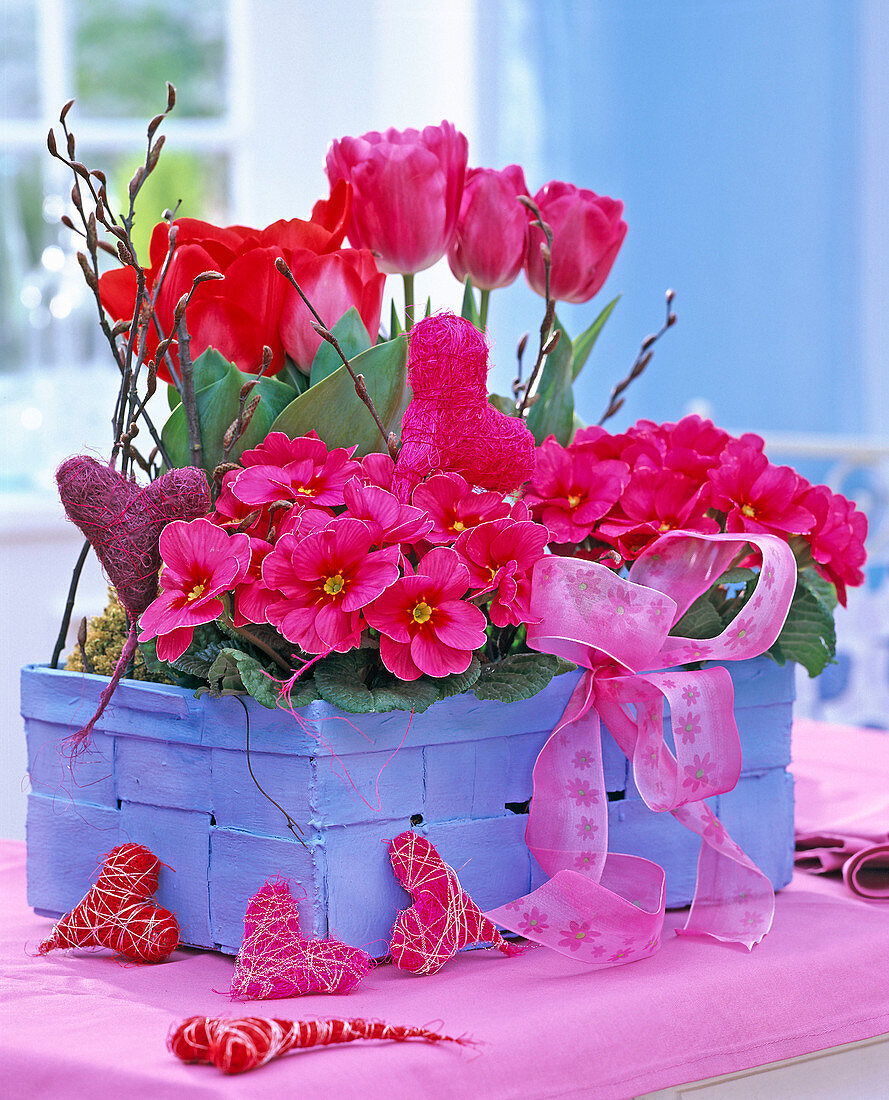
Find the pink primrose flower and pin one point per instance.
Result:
(424, 624)
(569, 493)
(231, 513)
(655, 501)
(252, 597)
(323, 580)
(388, 520)
(377, 469)
(454, 507)
(500, 555)
(303, 521)
(201, 563)
(757, 496)
(311, 474)
(837, 538)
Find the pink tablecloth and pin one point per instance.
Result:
(544, 1026)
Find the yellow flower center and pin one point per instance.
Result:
(334, 585)
(664, 526)
(747, 509)
(573, 501)
(195, 593)
(458, 525)
(422, 613)
(304, 492)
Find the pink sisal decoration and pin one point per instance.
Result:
(449, 425)
(604, 908)
(236, 1045)
(123, 523)
(443, 919)
(275, 961)
(117, 912)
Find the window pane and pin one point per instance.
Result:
(197, 181)
(126, 49)
(18, 60)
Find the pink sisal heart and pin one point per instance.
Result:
(449, 426)
(443, 919)
(123, 521)
(275, 961)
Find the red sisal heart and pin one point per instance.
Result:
(118, 912)
(443, 919)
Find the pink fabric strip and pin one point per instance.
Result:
(602, 907)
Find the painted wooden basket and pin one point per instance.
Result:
(171, 772)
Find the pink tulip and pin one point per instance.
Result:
(407, 186)
(588, 231)
(492, 230)
(333, 283)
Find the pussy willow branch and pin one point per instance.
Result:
(641, 362)
(546, 343)
(128, 408)
(357, 379)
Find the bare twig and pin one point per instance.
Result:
(357, 379)
(642, 360)
(547, 344)
(69, 604)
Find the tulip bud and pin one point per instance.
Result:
(492, 229)
(588, 231)
(406, 192)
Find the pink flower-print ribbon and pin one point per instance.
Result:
(605, 908)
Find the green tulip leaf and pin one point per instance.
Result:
(506, 405)
(469, 310)
(395, 328)
(352, 337)
(217, 384)
(334, 410)
(585, 343)
(553, 411)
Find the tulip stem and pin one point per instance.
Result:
(408, 301)
(483, 308)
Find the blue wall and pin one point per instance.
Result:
(729, 130)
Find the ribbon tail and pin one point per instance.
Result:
(734, 901)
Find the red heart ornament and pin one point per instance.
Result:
(275, 961)
(123, 521)
(118, 912)
(443, 919)
(449, 426)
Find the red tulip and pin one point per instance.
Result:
(332, 283)
(588, 231)
(407, 187)
(240, 313)
(492, 229)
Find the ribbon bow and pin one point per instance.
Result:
(605, 908)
